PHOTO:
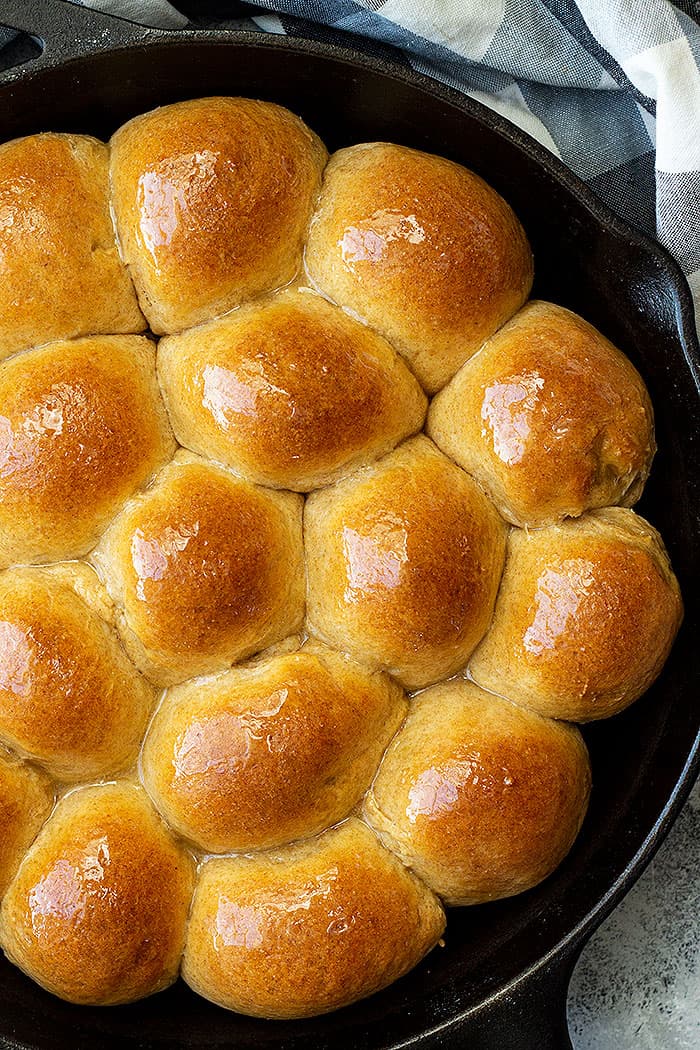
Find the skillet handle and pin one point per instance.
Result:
(67, 31)
(529, 1016)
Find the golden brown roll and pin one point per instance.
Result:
(96, 913)
(60, 271)
(26, 798)
(69, 696)
(289, 391)
(206, 569)
(307, 929)
(422, 249)
(82, 426)
(212, 200)
(262, 755)
(479, 797)
(549, 417)
(403, 564)
(585, 617)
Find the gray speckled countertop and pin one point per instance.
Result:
(637, 984)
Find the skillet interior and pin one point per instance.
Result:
(584, 260)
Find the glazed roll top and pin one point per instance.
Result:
(549, 417)
(480, 798)
(262, 755)
(308, 929)
(69, 696)
(97, 911)
(205, 665)
(421, 249)
(585, 618)
(212, 199)
(205, 569)
(82, 426)
(60, 271)
(404, 560)
(289, 391)
(26, 799)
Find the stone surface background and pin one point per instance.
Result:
(637, 984)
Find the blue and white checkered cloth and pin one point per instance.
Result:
(612, 87)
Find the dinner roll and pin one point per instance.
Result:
(479, 797)
(549, 417)
(307, 929)
(60, 271)
(585, 618)
(422, 249)
(82, 425)
(212, 199)
(403, 563)
(96, 913)
(262, 755)
(26, 798)
(288, 391)
(69, 696)
(205, 568)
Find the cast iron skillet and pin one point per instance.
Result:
(501, 980)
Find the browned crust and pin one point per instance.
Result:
(422, 249)
(212, 199)
(97, 911)
(586, 616)
(26, 799)
(309, 929)
(82, 426)
(403, 564)
(482, 799)
(261, 756)
(288, 391)
(549, 417)
(69, 696)
(206, 569)
(60, 271)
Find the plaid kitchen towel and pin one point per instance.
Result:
(612, 87)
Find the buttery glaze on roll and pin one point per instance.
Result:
(26, 799)
(136, 575)
(82, 426)
(585, 618)
(263, 755)
(212, 199)
(308, 929)
(69, 696)
(60, 271)
(477, 796)
(96, 913)
(549, 417)
(422, 249)
(289, 392)
(205, 569)
(403, 564)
